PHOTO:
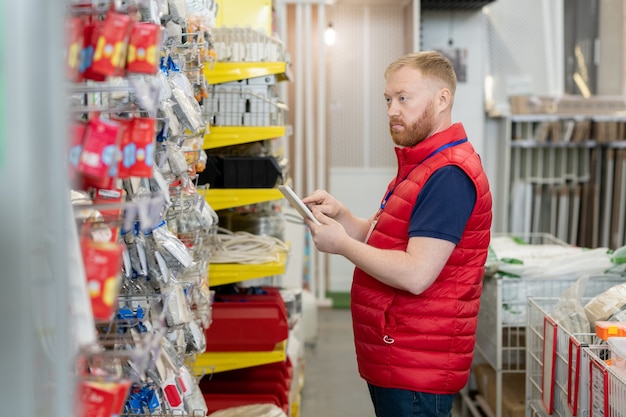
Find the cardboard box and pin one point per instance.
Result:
(608, 305)
(513, 390)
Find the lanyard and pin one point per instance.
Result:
(436, 151)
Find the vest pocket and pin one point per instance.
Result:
(389, 326)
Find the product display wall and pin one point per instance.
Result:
(151, 87)
(135, 131)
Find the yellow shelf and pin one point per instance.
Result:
(224, 198)
(223, 72)
(220, 274)
(220, 136)
(211, 362)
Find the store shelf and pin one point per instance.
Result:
(529, 143)
(223, 72)
(221, 274)
(224, 198)
(220, 136)
(211, 362)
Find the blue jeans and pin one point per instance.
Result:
(394, 402)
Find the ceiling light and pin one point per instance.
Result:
(330, 36)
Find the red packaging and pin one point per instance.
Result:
(101, 399)
(76, 136)
(142, 139)
(96, 400)
(74, 31)
(137, 148)
(172, 395)
(144, 48)
(103, 265)
(123, 171)
(110, 52)
(123, 389)
(90, 182)
(90, 37)
(99, 154)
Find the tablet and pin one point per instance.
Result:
(296, 203)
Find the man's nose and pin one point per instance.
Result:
(392, 109)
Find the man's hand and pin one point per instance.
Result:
(330, 236)
(331, 208)
(325, 203)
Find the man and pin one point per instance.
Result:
(419, 260)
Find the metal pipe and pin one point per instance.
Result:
(417, 17)
(321, 133)
(309, 122)
(299, 98)
(367, 89)
(309, 137)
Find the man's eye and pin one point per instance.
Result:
(387, 100)
(403, 98)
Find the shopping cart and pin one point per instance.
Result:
(607, 388)
(501, 339)
(554, 362)
(567, 374)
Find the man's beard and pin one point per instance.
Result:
(418, 131)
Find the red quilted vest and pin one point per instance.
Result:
(424, 342)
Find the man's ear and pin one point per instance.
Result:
(444, 98)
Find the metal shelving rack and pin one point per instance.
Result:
(219, 199)
(564, 169)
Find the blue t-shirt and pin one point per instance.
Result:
(443, 205)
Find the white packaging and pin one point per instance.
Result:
(178, 311)
(231, 104)
(223, 51)
(256, 119)
(238, 52)
(228, 119)
(617, 345)
(254, 52)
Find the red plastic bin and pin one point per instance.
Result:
(220, 394)
(275, 388)
(247, 323)
(216, 402)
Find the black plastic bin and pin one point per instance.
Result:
(241, 172)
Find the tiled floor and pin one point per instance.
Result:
(332, 385)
